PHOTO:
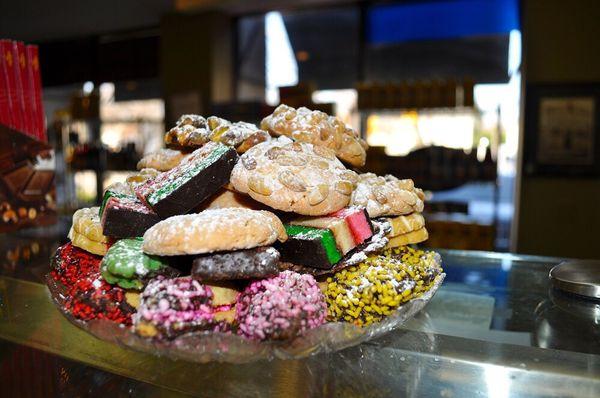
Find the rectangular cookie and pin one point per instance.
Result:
(339, 227)
(125, 216)
(405, 224)
(359, 222)
(420, 235)
(186, 186)
(312, 247)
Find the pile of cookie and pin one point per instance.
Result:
(263, 232)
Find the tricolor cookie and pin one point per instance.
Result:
(196, 178)
(293, 176)
(125, 216)
(317, 128)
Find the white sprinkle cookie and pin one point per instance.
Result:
(387, 196)
(213, 230)
(294, 176)
(317, 128)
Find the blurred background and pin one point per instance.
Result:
(489, 105)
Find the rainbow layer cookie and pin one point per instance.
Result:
(196, 178)
(312, 247)
(350, 227)
(125, 216)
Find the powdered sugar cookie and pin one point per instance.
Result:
(317, 128)
(162, 160)
(227, 198)
(213, 230)
(294, 176)
(387, 196)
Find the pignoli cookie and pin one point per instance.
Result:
(294, 176)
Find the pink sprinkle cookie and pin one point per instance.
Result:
(280, 307)
(171, 307)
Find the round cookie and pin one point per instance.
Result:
(281, 307)
(375, 288)
(294, 176)
(190, 131)
(240, 135)
(86, 231)
(387, 196)
(127, 266)
(317, 128)
(213, 230)
(171, 307)
(162, 160)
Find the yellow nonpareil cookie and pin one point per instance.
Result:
(86, 222)
(405, 224)
(87, 244)
(410, 238)
(213, 230)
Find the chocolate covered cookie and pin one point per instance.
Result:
(126, 216)
(186, 186)
(242, 264)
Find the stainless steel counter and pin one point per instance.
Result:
(496, 328)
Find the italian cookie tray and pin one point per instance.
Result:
(238, 243)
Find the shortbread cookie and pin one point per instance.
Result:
(162, 160)
(226, 198)
(185, 187)
(240, 135)
(260, 262)
(294, 176)
(405, 224)
(190, 131)
(387, 196)
(418, 236)
(213, 230)
(317, 128)
(90, 246)
(86, 231)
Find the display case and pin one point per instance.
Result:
(495, 328)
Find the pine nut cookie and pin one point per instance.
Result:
(294, 176)
(387, 196)
(317, 128)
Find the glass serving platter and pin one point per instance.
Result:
(225, 347)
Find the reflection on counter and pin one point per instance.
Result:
(568, 322)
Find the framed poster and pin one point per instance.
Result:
(561, 130)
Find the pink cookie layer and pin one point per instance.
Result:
(357, 221)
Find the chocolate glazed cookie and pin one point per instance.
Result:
(242, 264)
